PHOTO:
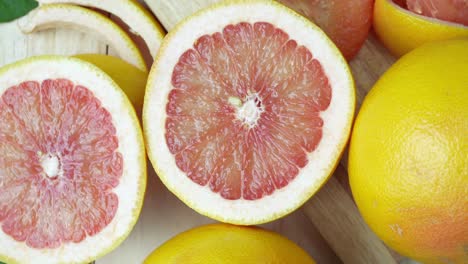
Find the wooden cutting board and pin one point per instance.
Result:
(335, 232)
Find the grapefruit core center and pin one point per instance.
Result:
(249, 111)
(51, 165)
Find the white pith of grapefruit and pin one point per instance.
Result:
(132, 13)
(337, 117)
(129, 189)
(85, 20)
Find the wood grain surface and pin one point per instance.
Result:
(329, 227)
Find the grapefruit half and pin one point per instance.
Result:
(85, 20)
(138, 18)
(72, 162)
(401, 30)
(247, 110)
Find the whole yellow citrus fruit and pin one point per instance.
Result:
(408, 160)
(228, 244)
(401, 30)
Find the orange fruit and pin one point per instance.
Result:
(346, 22)
(247, 110)
(72, 162)
(401, 30)
(228, 244)
(408, 158)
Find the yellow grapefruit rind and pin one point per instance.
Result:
(409, 182)
(60, 15)
(148, 122)
(401, 30)
(138, 19)
(141, 155)
(245, 245)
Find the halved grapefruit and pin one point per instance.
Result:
(72, 162)
(247, 110)
(401, 30)
(89, 21)
(139, 19)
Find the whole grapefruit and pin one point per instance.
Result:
(408, 161)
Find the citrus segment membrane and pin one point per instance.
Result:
(59, 163)
(257, 144)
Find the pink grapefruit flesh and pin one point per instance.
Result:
(244, 110)
(58, 163)
(346, 22)
(448, 10)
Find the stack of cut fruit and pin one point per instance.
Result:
(247, 109)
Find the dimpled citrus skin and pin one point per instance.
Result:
(408, 160)
(228, 244)
(401, 30)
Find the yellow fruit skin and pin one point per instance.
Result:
(130, 79)
(228, 244)
(408, 160)
(401, 30)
